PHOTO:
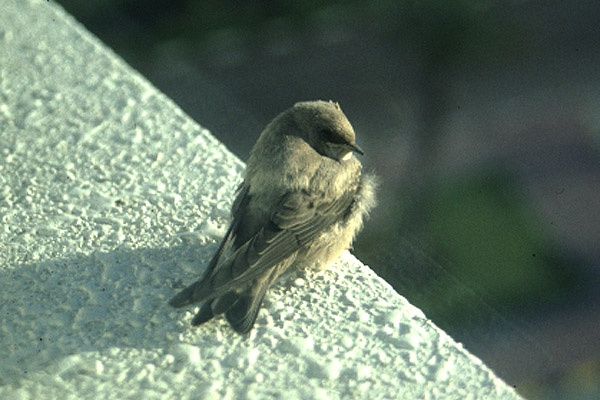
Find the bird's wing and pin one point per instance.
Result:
(237, 211)
(299, 218)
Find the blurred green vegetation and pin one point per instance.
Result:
(477, 241)
(478, 224)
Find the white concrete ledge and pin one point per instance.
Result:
(111, 199)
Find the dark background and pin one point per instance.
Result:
(480, 117)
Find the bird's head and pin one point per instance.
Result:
(326, 129)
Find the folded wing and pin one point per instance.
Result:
(237, 284)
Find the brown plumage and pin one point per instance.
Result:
(302, 201)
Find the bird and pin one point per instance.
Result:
(302, 201)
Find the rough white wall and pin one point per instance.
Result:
(111, 199)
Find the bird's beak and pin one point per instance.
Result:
(355, 148)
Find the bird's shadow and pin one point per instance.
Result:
(90, 303)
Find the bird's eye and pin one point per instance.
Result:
(327, 134)
(331, 137)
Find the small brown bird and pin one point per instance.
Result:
(302, 201)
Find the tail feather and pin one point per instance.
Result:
(184, 297)
(204, 315)
(211, 308)
(224, 303)
(242, 315)
(239, 304)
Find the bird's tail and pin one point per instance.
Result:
(241, 309)
(242, 315)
